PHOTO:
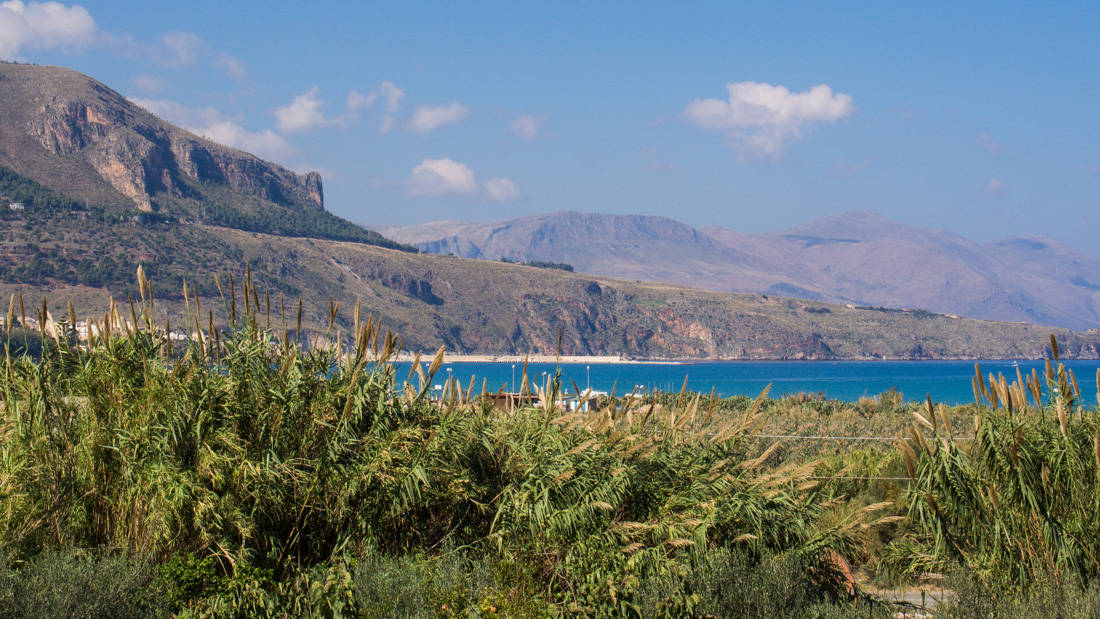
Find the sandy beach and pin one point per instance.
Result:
(578, 359)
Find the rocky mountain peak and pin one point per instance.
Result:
(148, 161)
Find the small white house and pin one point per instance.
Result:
(16, 206)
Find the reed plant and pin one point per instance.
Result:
(1014, 496)
(282, 464)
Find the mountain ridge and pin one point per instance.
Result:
(79, 239)
(855, 257)
(75, 135)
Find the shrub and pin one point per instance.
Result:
(73, 583)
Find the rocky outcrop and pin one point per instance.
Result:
(145, 159)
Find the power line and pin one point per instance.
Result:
(809, 437)
(861, 478)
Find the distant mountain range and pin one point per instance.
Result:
(853, 258)
(106, 186)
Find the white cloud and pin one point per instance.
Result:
(762, 119)
(392, 94)
(427, 118)
(501, 189)
(303, 114)
(181, 48)
(995, 186)
(264, 144)
(148, 83)
(443, 177)
(990, 145)
(527, 126)
(215, 126)
(44, 25)
(359, 102)
(440, 177)
(232, 67)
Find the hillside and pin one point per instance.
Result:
(481, 306)
(74, 135)
(859, 258)
(108, 186)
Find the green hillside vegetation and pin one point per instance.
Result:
(541, 264)
(242, 474)
(474, 306)
(17, 188)
(241, 214)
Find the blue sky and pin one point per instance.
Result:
(981, 119)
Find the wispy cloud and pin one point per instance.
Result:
(760, 120)
(181, 48)
(305, 112)
(501, 189)
(426, 118)
(359, 102)
(44, 25)
(232, 67)
(148, 83)
(447, 177)
(528, 126)
(393, 96)
(213, 125)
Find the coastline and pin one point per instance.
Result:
(449, 357)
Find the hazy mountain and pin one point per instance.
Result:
(856, 257)
(108, 186)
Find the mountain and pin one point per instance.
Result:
(853, 258)
(70, 133)
(106, 187)
(478, 306)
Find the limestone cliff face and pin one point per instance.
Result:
(143, 158)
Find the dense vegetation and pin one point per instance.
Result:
(248, 474)
(18, 188)
(312, 223)
(541, 264)
(267, 218)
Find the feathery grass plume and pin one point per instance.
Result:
(278, 462)
(333, 308)
(1037, 391)
(298, 325)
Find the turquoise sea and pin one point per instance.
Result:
(945, 381)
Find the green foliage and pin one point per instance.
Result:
(1020, 500)
(18, 188)
(1048, 597)
(78, 584)
(541, 264)
(185, 579)
(726, 583)
(265, 477)
(301, 221)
